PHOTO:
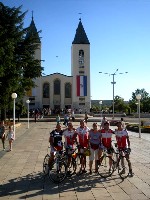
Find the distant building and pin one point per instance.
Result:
(59, 91)
(104, 103)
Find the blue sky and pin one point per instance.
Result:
(118, 31)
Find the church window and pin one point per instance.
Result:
(81, 66)
(81, 53)
(81, 57)
(81, 72)
(67, 90)
(57, 87)
(83, 104)
(46, 90)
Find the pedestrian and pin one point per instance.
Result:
(80, 111)
(35, 115)
(103, 121)
(73, 116)
(66, 119)
(2, 134)
(123, 123)
(58, 119)
(11, 138)
(86, 117)
(94, 143)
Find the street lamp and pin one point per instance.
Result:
(137, 106)
(100, 103)
(28, 101)
(138, 97)
(14, 96)
(113, 82)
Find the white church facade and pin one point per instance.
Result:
(59, 91)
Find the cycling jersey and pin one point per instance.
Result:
(106, 137)
(69, 137)
(121, 137)
(57, 138)
(83, 136)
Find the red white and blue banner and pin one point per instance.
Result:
(81, 86)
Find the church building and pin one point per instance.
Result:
(59, 91)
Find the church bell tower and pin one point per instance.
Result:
(80, 70)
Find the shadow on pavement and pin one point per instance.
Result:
(33, 185)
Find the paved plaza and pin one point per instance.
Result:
(21, 174)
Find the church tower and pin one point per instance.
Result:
(32, 31)
(80, 70)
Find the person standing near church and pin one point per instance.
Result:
(10, 136)
(103, 122)
(123, 123)
(86, 117)
(2, 134)
(58, 119)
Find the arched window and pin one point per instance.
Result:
(57, 87)
(81, 56)
(67, 90)
(81, 53)
(46, 90)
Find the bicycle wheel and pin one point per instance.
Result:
(104, 169)
(78, 163)
(45, 164)
(73, 165)
(123, 167)
(58, 171)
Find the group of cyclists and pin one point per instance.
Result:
(94, 139)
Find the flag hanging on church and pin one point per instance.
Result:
(81, 86)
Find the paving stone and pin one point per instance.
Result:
(21, 171)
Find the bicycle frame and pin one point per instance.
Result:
(123, 169)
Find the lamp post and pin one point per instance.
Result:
(138, 97)
(28, 101)
(14, 96)
(137, 106)
(100, 103)
(113, 82)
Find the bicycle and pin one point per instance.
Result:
(58, 169)
(45, 164)
(106, 164)
(122, 163)
(81, 157)
(72, 158)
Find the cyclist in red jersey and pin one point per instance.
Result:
(123, 142)
(70, 139)
(83, 133)
(70, 136)
(106, 138)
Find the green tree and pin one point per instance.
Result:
(18, 67)
(120, 105)
(144, 102)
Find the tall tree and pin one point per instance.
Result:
(18, 67)
(145, 100)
